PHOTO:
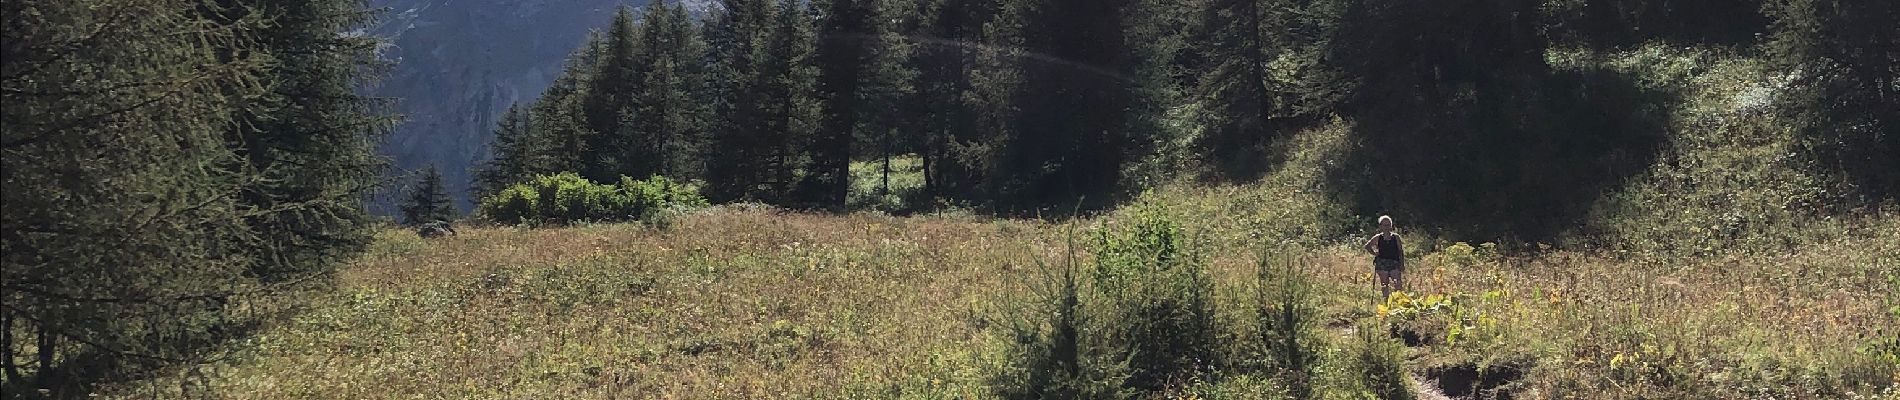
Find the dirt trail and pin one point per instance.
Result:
(1426, 390)
(1422, 388)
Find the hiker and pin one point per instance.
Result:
(1388, 258)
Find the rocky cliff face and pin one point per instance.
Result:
(458, 64)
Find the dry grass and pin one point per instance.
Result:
(744, 303)
(748, 303)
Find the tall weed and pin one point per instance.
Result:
(1289, 339)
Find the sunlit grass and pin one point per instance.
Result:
(749, 302)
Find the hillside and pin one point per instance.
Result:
(750, 301)
(456, 65)
(1015, 199)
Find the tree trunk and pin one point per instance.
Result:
(6, 345)
(930, 182)
(47, 342)
(884, 186)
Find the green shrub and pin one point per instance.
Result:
(512, 205)
(1143, 319)
(1057, 348)
(567, 198)
(1289, 338)
(1159, 298)
(1380, 362)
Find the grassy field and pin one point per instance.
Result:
(1707, 277)
(742, 303)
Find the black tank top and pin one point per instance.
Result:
(1389, 248)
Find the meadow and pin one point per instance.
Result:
(740, 302)
(1701, 278)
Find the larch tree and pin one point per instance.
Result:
(164, 159)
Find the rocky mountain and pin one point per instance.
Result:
(458, 64)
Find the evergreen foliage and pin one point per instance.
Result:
(428, 201)
(1032, 106)
(1843, 58)
(166, 158)
(514, 153)
(788, 84)
(864, 64)
(1070, 126)
(736, 159)
(1263, 77)
(670, 106)
(607, 108)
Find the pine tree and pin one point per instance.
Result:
(162, 157)
(1235, 87)
(560, 127)
(670, 111)
(736, 38)
(996, 76)
(791, 112)
(1068, 139)
(889, 79)
(428, 201)
(843, 31)
(1261, 73)
(1156, 32)
(938, 109)
(608, 108)
(114, 158)
(312, 137)
(863, 60)
(514, 154)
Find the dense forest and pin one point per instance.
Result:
(1041, 107)
(164, 156)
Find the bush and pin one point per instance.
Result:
(1142, 320)
(1380, 362)
(1288, 316)
(1159, 298)
(1057, 349)
(567, 198)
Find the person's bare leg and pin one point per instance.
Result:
(1383, 278)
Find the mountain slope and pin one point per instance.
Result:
(457, 64)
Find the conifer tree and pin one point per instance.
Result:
(559, 125)
(791, 110)
(312, 137)
(1155, 31)
(863, 60)
(889, 79)
(843, 30)
(162, 157)
(670, 111)
(1071, 128)
(939, 110)
(995, 75)
(607, 109)
(428, 201)
(1235, 86)
(514, 154)
(736, 37)
(114, 156)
